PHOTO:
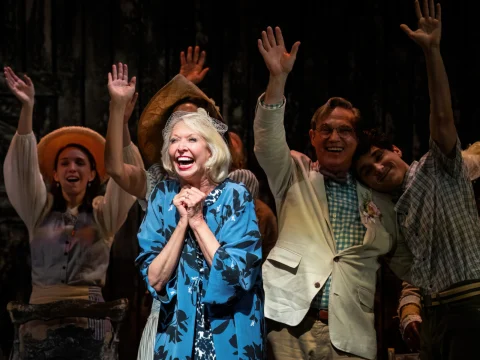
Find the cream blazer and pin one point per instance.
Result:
(305, 256)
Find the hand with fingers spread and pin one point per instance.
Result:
(272, 47)
(22, 89)
(25, 92)
(429, 30)
(120, 89)
(427, 36)
(130, 177)
(191, 66)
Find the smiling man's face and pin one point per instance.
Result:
(335, 141)
(381, 169)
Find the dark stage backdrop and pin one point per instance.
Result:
(350, 48)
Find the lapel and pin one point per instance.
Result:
(364, 194)
(318, 184)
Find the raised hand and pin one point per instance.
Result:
(23, 90)
(272, 48)
(129, 108)
(119, 88)
(429, 30)
(192, 66)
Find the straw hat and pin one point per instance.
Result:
(51, 143)
(156, 113)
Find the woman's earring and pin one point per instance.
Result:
(58, 184)
(89, 183)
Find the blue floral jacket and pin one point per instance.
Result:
(232, 289)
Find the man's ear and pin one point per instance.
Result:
(397, 151)
(311, 134)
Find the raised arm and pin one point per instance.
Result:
(271, 148)
(23, 182)
(278, 61)
(25, 92)
(427, 36)
(191, 66)
(130, 178)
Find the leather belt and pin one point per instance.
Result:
(452, 295)
(321, 315)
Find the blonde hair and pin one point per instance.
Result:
(210, 130)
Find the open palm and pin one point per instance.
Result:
(23, 90)
(118, 86)
(429, 30)
(272, 48)
(191, 66)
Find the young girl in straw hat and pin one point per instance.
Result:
(54, 187)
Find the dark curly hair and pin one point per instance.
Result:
(369, 138)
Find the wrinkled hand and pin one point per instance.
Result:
(23, 90)
(191, 201)
(180, 204)
(411, 335)
(129, 108)
(272, 48)
(429, 30)
(119, 88)
(192, 66)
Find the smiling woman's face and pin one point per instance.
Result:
(188, 152)
(73, 171)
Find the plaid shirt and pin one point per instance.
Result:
(439, 219)
(348, 229)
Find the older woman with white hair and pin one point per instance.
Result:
(201, 248)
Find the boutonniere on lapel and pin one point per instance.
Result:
(369, 211)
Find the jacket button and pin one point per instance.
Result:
(336, 259)
(317, 284)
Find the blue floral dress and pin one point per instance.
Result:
(216, 312)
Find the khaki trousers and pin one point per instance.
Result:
(309, 340)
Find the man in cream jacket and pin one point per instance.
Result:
(320, 278)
